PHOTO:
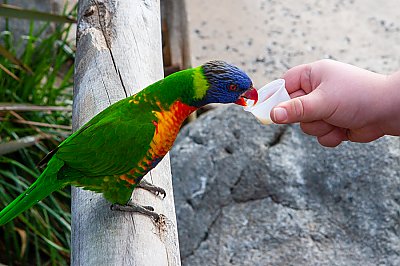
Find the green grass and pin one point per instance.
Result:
(40, 75)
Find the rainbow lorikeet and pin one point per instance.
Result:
(113, 151)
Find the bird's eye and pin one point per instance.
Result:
(233, 87)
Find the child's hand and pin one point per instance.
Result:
(335, 102)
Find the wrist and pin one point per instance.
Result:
(390, 105)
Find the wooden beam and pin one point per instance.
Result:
(119, 53)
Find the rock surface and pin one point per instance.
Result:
(248, 194)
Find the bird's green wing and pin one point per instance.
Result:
(112, 143)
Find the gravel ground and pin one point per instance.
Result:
(266, 37)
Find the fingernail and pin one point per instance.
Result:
(280, 114)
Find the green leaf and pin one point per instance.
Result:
(17, 12)
(44, 96)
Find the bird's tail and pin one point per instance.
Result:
(41, 188)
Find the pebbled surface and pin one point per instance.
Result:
(266, 37)
(248, 194)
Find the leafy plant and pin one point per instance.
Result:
(35, 98)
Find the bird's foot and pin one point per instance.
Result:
(133, 207)
(152, 188)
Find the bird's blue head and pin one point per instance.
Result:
(225, 83)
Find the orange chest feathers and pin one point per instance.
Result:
(167, 127)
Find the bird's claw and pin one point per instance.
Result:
(152, 188)
(133, 207)
(146, 210)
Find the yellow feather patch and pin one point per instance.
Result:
(134, 101)
(200, 84)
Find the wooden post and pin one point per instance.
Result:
(175, 19)
(119, 53)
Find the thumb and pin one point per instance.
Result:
(306, 108)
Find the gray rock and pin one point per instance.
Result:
(249, 194)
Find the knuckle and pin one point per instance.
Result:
(298, 106)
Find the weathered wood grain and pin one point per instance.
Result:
(119, 53)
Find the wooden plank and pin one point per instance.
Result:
(119, 53)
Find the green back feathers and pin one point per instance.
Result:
(188, 86)
(101, 146)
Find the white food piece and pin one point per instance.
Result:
(249, 103)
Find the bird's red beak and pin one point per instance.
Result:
(251, 94)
